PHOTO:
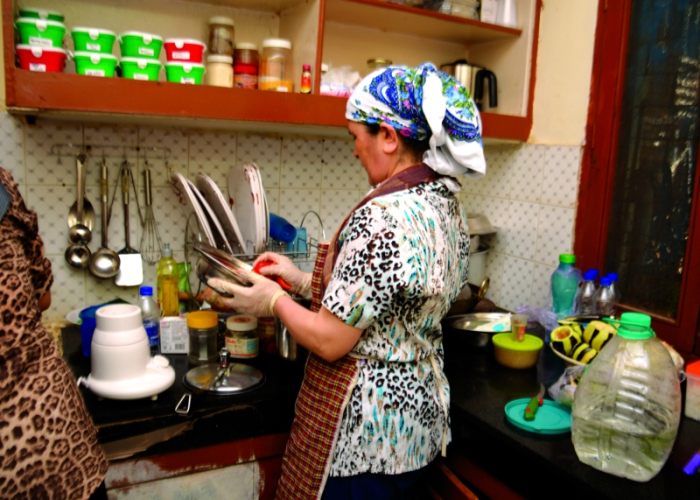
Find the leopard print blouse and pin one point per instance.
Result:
(48, 443)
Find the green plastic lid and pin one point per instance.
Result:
(567, 258)
(635, 326)
(529, 342)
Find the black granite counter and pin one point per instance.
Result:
(532, 465)
(537, 465)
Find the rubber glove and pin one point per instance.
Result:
(283, 267)
(257, 300)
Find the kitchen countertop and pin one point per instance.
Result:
(536, 465)
(530, 464)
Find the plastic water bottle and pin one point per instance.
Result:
(585, 300)
(167, 279)
(605, 298)
(627, 406)
(565, 281)
(615, 289)
(151, 316)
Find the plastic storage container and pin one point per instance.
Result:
(40, 32)
(565, 281)
(627, 406)
(184, 50)
(139, 44)
(242, 337)
(42, 59)
(150, 315)
(139, 68)
(221, 35)
(179, 72)
(245, 66)
(276, 65)
(93, 40)
(585, 298)
(51, 15)
(219, 72)
(95, 64)
(167, 278)
(692, 391)
(202, 329)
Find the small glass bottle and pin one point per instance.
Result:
(305, 87)
(151, 317)
(242, 337)
(605, 299)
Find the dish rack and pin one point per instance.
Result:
(302, 251)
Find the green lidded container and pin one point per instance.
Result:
(40, 32)
(180, 72)
(93, 40)
(139, 68)
(94, 64)
(139, 44)
(35, 13)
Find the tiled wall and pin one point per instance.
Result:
(529, 194)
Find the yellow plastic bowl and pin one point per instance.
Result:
(517, 354)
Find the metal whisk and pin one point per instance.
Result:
(150, 239)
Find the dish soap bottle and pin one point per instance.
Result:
(167, 282)
(627, 406)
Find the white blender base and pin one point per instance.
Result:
(158, 377)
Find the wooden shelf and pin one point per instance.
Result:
(397, 18)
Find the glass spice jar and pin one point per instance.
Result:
(245, 66)
(221, 31)
(242, 337)
(276, 65)
(202, 327)
(219, 71)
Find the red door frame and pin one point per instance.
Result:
(598, 173)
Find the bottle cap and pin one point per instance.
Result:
(605, 281)
(241, 323)
(613, 276)
(567, 258)
(635, 326)
(227, 21)
(277, 43)
(146, 291)
(202, 319)
(306, 67)
(246, 46)
(167, 251)
(590, 274)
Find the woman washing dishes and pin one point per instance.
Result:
(373, 410)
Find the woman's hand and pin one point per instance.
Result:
(258, 300)
(284, 268)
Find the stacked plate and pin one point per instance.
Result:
(237, 225)
(249, 206)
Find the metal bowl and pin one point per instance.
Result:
(476, 329)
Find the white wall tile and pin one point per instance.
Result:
(561, 176)
(12, 147)
(264, 151)
(301, 163)
(42, 165)
(211, 153)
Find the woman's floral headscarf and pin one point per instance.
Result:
(424, 103)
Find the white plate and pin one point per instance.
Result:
(260, 207)
(219, 234)
(242, 197)
(196, 207)
(158, 377)
(221, 208)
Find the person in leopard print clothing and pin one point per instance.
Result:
(48, 443)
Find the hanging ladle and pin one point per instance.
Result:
(104, 263)
(77, 254)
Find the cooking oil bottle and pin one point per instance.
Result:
(627, 405)
(167, 282)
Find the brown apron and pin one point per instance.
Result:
(327, 387)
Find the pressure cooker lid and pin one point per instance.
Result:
(233, 379)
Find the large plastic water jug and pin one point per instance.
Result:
(627, 406)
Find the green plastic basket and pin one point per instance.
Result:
(94, 64)
(139, 44)
(40, 32)
(93, 40)
(41, 14)
(135, 68)
(179, 72)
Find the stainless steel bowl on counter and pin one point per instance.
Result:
(476, 329)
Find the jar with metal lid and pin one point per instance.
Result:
(245, 66)
(377, 62)
(276, 65)
(202, 327)
(221, 32)
(219, 71)
(242, 336)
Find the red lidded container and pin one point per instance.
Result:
(43, 59)
(184, 50)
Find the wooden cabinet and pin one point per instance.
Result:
(337, 32)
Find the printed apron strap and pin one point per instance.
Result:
(322, 398)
